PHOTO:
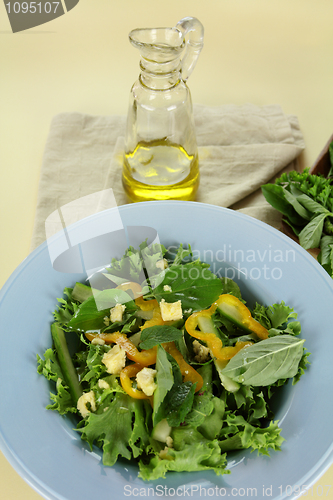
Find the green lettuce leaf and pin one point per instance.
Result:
(137, 264)
(68, 307)
(212, 424)
(121, 430)
(279, 314)
(62, 400)
(238, 434)
(50, 368)
(191, 452)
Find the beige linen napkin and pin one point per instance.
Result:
(240, 148)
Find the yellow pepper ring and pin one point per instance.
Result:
(144, 357)
(214, 343)
(188, 372)
(125, 379)
(234, 306)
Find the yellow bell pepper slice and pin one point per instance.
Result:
(236, 311)
(144, 357)
(125, 379)
(188, 372)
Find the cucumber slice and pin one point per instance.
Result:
(206, 325)
(229, 312)
(65, 362)
(135, 338)
(226, 381)
(161, 431)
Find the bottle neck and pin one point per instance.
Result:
(160, 76)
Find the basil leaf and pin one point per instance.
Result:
(312, 205)
(293, 200)
(276, 196)
(192, 283)
(325, 257)
(173, 399)
(159, 334)
(164, 382)
(296, 229)
(310, 235)
(267, 361)
(326, 247)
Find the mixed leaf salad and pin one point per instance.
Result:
(171, 369)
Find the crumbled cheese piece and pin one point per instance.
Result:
(164, 454)
(162, 264)
(116, 313)
(87, 397)
(171, 311)
(202, 353)
(188, 311)
(98, 341)
(167, 288)
(169, 441)
(114, 360)
(102, 384)
(106, 320)
(145, 380)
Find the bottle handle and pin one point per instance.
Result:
(194, 29)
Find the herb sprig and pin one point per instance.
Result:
(306, 202)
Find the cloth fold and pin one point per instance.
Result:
(240, 149)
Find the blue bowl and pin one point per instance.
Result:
(45, 449)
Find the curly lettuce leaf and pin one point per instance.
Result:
(62, 400)
(238, 434)
(121, 428)
(50, 368)
(191, 452)
(137, 264)
(68, 307)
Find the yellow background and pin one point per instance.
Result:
(256, 51)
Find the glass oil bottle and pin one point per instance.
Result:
(161, 156)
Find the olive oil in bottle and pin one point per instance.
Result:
(160, 170)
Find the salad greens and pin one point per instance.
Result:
(306, 202)
(193, 408)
